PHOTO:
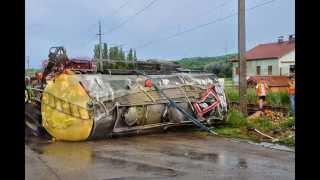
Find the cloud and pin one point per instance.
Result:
(74, 24)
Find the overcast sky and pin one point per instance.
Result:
(74, 25)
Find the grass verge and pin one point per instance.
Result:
(272, 98)
(237, 126)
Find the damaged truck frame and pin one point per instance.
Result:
(76, 107)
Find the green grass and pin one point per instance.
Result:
(236, 119)
(230, 132)
(252, 96)
(232, 93)
(261, 123)
(278, 99)
(237, 124)
(287, 124)
(273, 98)
(287, 141)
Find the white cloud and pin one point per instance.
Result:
(74, 23)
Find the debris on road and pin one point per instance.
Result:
(273, 116)
(263, 134)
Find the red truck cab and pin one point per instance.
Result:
(78, 65)
(82, 65)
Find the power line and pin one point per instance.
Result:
(88, 42)
(122, 6)
(90, 27)
(28, 63)
(113, 13)
(131, 17)
(201, 25)
(136, 14)
(214, 9)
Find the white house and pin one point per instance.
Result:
(271, 59)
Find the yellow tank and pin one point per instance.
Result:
(62, 122)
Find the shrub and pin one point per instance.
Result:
(278, 99)
(288, 141)
(232, 94)
(236, 119)
(252, 96)
(288, 124)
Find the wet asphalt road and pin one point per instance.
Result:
(171, 155)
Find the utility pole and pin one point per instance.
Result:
(100, 43)
(100, 47)
(28, 63)
(241, 56)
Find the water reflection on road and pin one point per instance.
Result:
(174, 155)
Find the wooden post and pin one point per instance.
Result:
(241, 54)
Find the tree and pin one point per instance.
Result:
(111, 53)
(221, 69)
(122, 55)
(135, 55)
(114, 53)
(130, 55)
(105, 51)
(96, 51)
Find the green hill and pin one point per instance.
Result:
(218, 65)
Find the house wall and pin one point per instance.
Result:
(285, 62)
(251, 68)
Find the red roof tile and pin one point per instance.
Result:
(272, 81)
(270, 50)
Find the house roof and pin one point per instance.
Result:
(269, 50)
(272, 81)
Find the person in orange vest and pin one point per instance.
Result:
(291, 92)
(262, 90)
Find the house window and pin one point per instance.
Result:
(237, 70)
(258, 70)
(269, 70)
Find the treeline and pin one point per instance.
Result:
(31, 71)
(114, 53)
(218, 65)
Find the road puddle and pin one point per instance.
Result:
(212, 157)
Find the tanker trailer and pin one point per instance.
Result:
(77, 107)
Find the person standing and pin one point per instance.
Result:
(261, 89)
(291, 93)
(39, 77)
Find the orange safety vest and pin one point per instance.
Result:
(259, 88)
(291, 88)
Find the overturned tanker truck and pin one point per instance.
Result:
(76, 107)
